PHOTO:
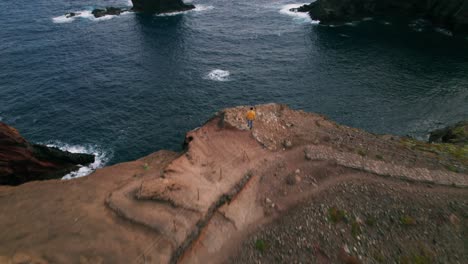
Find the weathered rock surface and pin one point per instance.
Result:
(108, 11)
(21, 161)
(449, 14)
(161, 6)
(199, 205)
(455, 134)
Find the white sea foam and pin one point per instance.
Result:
(198, 8)
(85, 14)
(218, 75)
(302, 17)
(444, 31)
(100, 158)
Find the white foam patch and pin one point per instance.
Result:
(100, 158)
(444, 31)
(352, 24)
(297, 16)
(218, 75)
(85, 14)
(198, 8)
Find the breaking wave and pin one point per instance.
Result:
(100, 158)
(218, 75)
(198, 8)
(298, 16)
(85, 14)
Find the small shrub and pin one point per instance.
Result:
(362, 152)
(407, 220)
(379, 257)
(336, 215)
(355, 229)
(260, 245)
(370, 221)
(379, 157)
(146, 166)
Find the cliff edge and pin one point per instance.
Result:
(226, 197)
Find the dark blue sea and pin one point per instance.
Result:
(126, 86)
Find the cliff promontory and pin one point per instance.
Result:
(21, 161)
(296, 188)
(449, 14)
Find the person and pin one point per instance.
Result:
(250, 117)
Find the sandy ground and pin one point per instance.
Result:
(203, 205)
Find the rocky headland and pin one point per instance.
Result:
(296, 188)
(21, 161)
(448, 14)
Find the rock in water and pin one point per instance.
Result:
(456, 134)
(449, 14)
(21, 161)
(111, 11)
(161, 6)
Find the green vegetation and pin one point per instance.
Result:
(371, 221)
(379, 157)
(459, 153)
(261, 245)
(423, 256)
(336, 215)
(407, 220)
(146, 166)
(379, 257)
(362, 152)
(355, 229)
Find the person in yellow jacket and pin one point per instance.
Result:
(250, 117)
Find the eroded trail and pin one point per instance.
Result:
(198, 206)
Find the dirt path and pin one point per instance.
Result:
(199, 205)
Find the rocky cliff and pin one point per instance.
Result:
(161, 6)
(449, 14)
(296, 188)
(21, 161)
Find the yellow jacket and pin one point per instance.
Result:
(251, 115)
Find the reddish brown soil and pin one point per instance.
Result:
(198, 206)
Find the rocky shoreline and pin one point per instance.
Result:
(448, 14)
(21, 161)
(338, 190)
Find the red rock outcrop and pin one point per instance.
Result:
(21, 161)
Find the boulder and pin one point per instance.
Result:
(21, 161)
(456, 134)
(161, 6)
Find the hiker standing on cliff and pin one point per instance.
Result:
(250, 117)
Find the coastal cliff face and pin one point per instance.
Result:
(449, 14)
(200, 205)
(21, 161)
(161, 6)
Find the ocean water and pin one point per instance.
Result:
(125, 86)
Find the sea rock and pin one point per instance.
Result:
(21, 161)
(449, 14)
(109, 11)
(71, 14)
(455, 134)
(161, 6)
